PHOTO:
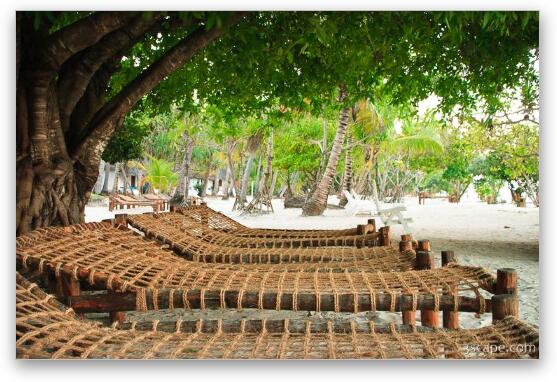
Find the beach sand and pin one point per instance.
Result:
(491, 236)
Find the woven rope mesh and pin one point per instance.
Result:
(119, 259)
(181, 228)
(220, 221)
(200, 242)
(46, 329)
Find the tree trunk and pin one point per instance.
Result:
(255, 191)
(116, 175)
(225, 184)
(347, 178)
(318, 201)
(63, 121)
(229, 152)
(182, 190)
(216, 182)
(124, 172)
(106, 176)
(273, 183)
(205, 182)
(245, 178)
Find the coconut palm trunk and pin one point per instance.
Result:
(318, 201)
(253, 144)
(347, 179)
(182, 190)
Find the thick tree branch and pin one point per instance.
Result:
(80, 35)
(44, 61)
(78, 71)
(91, 101)
(102, 126)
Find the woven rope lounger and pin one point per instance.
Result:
(196, 241)
(376, 258)
(220, 221)
(47, 329)
(122, 201)
(117, 259)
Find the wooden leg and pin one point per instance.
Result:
(450, 319)
(424, 260)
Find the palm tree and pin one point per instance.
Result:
(347, 177)
(160, 174)
(207, 160)
(396, 153)
(253, 142)
(318, 201)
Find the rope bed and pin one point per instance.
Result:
(47, 329)
(186, 232)
(220, 221)
(199, 243)
(118, 259)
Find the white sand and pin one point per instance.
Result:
(492, 236)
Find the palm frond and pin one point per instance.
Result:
(413, 145)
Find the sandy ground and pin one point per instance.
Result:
(492, 236)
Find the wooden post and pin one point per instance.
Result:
(360, 231)
(408, 316)
(67, 286)
(447, 257)
(424, 260)
(49, 282)
(405, 243)
(424, 245)
(385, 235)
(503, 305)
(450, 318)
(172, 208)
(507, 280)
(119, 316)
(371, 222)
(121, 219)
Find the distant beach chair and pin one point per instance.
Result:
(389, 216)
(357, 206)
(117, 201)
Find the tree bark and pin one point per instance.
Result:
(216, 182)
(106, 176)
(318, 201)
(225, 184)
(124, 172)
(57, 160)
(347, 178)
(182, 190)
(273, 182)
(233, 179)
(245, 178)
(116, 175)
(258, 176)
(205, 182)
